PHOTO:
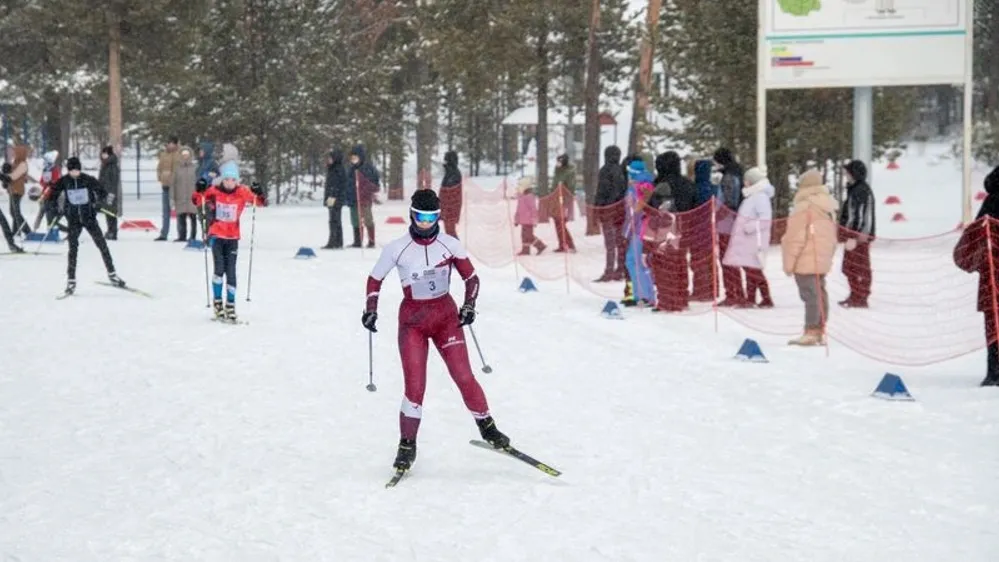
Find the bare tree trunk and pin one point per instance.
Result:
(65, 126)
(542, 85)
(641, 106)
(425, 125)
(591, 107)
(114, 83)
(450, 117)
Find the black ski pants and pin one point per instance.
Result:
(224, 255)
(88, 222)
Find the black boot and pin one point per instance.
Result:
(357, 237)
(406, 455)
(992, 376)
(492, 435)
(217, 307)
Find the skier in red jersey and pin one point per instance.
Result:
(424, 258)
(228, 200)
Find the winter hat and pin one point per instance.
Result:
(73, 163)
(49, 157)
(525, 183)
(811, 178)
(636, 167)
(425, 200)
(754, 176)
(229, 171)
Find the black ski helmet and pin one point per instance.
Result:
(424, 200)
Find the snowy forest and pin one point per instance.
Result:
(288, 79)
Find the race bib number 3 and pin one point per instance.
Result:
(430, 284)
(226, 212)
(78, 196)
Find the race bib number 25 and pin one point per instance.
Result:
(226, 212)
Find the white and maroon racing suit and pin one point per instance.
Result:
(429, 313)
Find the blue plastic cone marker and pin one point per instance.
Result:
(194, 244)
(527, 285)
(750, 351)
(612, 310)
(305, 253)
(50, 236)
(892, 388)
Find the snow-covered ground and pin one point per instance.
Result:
(136, 429)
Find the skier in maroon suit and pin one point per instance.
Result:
(424, 258)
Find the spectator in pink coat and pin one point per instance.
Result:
(526, 216)
(750, 236)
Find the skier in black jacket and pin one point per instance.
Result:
(336, 185)
(857, 231)
(85, 196)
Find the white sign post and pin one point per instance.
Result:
(864, 43)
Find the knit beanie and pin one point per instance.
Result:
(229, 171)
(754, 176)
(73, 163)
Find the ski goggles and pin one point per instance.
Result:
(425, 216)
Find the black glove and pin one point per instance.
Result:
(201, 186)
(6, 168)
(466, 315)
(368, 320)
(258, 191)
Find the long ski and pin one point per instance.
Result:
(125, 288)
(237, 322)
(519, 455)
(399, 473)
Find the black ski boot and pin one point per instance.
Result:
(491, 435)
(217, 307)
(70, 286)
(230, 312)
(406, 455)
(115, 280)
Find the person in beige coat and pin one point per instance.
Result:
(168, 159)
(185, 174)
(808, 247)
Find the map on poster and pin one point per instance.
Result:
(864, 15)
(851, 43)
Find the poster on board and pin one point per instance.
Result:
(855, 43)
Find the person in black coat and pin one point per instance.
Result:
(333, 197)
(731, 198)
(858, 229)
(85, 197)
(8, 234)
(451, 194)
(972, 255)
(110, 178)
(612, 184)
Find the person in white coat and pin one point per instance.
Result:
(751, 236)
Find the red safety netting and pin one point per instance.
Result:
(921, 309)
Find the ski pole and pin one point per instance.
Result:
(48, 230)
(253, 229)
(371, 364)
(204, 248)
(485, 368)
